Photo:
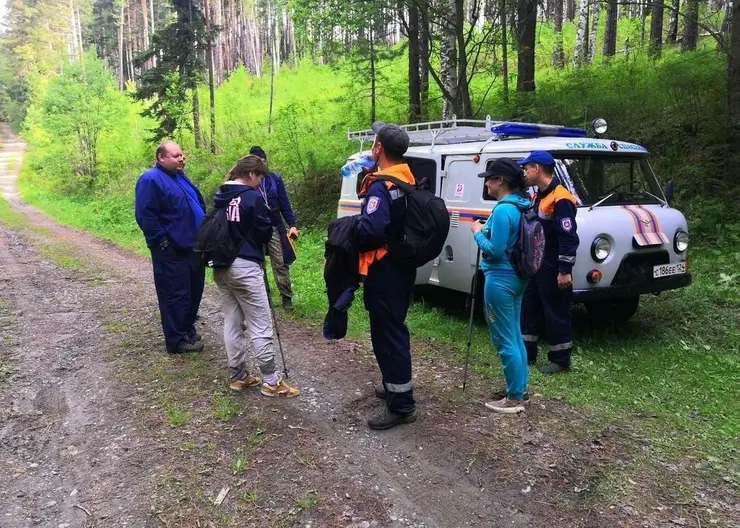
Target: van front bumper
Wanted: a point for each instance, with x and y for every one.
(630, 290)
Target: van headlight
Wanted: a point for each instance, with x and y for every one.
(600, 249)
(681, 241)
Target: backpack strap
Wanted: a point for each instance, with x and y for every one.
(405, 187)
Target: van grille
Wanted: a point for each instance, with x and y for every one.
(636, 269)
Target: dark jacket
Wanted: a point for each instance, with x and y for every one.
(556, 209)
(163, 209)
(277, 200)
(247, 215)
(341, 273)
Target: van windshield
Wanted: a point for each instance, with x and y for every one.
(628, 179)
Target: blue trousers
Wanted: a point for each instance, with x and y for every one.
(503, 302)
(179, 281)
(387, 295)
(546, 312)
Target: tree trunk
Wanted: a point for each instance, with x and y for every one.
(594, 29)
(610, 33)
(121, 74)
(504, 52)
(196, 120)
(581, 52)
(424, 62)
(673, 23)
(527, 28)
(691, 26)
(656, 30)
(211, 87)
(373, 94)
(463, 89)
(414, 64)
(449, 63)
(726, 21)
(733, 98)
(558, 60)
(570, 10)
(220, 40)
(644, 8)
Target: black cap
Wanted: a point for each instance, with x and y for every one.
(257, 151)
(504, 167)
(394, 139)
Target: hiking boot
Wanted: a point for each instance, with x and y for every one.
(387, 419)
(281, 389)
(499, 395)
(506, 406)
(195, 336)
(248, 381)
(380, 392)
(553, 368)
(287, 304)
(186, 345)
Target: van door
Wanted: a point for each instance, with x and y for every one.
(462, 191)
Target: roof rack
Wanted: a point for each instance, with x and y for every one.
(455, 131)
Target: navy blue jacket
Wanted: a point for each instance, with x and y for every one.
(556, 210)
(163, 210)
(247, 214)
(381, 218)
(277, 200)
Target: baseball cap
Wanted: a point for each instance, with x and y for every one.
(393, 138)
(541, 157)
(502, 167)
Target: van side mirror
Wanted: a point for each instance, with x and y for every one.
(668, 191)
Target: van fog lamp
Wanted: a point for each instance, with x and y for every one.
(600, 249)
(593, 276)
(681, 241)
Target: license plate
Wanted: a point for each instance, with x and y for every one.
(666, 270)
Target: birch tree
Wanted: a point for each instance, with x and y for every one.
(581, 52)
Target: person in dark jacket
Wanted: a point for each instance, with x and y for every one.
(169, 209)
(547, 299)
(279, 247)
(242, 285)
(387, 284)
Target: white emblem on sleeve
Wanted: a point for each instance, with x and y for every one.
(372, 204)
(566, 224)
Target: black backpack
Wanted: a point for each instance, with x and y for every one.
(215, 246)
(425, 225)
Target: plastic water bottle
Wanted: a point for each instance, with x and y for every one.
(355, 167)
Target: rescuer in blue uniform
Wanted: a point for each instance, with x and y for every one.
(169, 209)
(547, 298)
(387, 284)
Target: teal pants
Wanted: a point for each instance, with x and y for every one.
(503, 297)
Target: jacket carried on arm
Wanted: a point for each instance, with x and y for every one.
(168, 207)
(247, 215)
(341, 274)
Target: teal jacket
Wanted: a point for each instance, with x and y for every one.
(500, 233)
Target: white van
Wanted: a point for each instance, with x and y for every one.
(632, 242)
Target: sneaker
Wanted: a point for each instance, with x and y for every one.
(281, 389)
(186, 345)
(287, 304)
(506, 406)
(249, 381)
(554, 368)
(499, 395)
(387, 419)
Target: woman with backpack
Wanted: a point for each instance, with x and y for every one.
(503, 291)
(242, 284)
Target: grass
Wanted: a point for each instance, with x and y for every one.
(225, 408)
(10, 218)
(177, 416)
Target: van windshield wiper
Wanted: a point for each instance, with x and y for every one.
(605, 198)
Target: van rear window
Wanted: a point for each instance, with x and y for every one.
(421, 168)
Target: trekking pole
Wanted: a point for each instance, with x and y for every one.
(274, 322)
(473, 292)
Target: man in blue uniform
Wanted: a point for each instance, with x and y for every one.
(387, 284)
(278, 248)
(547, 298)
(169, 208)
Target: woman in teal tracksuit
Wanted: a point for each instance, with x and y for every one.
(505, 182)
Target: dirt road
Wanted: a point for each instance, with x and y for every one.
(99, 427)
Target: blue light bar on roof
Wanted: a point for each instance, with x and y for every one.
(527, 130)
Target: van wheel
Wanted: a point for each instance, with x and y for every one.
(618, 310)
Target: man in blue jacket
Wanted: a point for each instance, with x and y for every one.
(169, 208)
(279, 248)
